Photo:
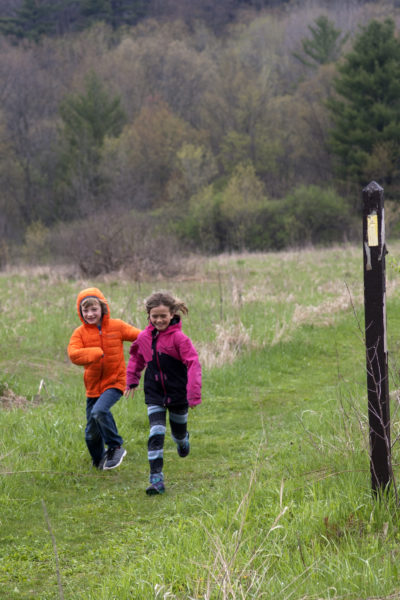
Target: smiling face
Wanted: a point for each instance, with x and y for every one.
(92, 313)
(160, 317)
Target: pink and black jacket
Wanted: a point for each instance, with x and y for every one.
(173, 370)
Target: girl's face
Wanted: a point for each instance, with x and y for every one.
(160, 317)
(92, 314)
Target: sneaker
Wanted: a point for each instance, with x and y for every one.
(114, 457)
(185, 449)
(156, 488)
(100, 465)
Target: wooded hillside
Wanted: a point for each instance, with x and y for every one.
(34, 18)
(248, 125)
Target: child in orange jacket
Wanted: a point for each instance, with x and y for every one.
(97, 345)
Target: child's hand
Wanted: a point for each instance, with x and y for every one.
(129, 393)
(193, 403)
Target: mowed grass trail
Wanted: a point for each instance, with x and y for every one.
(274, 500)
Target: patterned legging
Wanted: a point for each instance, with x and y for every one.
(157, 420)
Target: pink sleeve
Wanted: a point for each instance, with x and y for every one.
(190, 358)
(135, 366)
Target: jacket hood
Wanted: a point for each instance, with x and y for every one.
(91, 292)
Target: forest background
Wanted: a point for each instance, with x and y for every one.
(135, 131)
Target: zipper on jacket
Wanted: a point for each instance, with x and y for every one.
(159, 367)
(101, 346)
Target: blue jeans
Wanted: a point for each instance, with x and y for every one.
(100, 425)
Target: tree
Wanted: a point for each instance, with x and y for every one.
(114, 12)
(325, 44)
(36, 18)
(366, 110)
(161, 61)
(195, 167)
(215, 15)
(143, 159)
(88, 118)
(302, 120)
(32, 20)
(27, 133)
(91, 115)
(241, 202)
(236, 115)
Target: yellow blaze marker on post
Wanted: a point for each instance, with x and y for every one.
(372, 229)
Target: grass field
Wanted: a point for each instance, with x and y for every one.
(274, 500)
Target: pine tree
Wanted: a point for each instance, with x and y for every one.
(127, 12)
(92, 115)
(114, 12)
(34, 19)
(366, 111)
(95, 10)
(324, 45)
(88, 118)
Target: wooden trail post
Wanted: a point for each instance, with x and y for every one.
(375, 335)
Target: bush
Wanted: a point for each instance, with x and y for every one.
(313, 215)
(107, 243)
(36, 248)
(309, 215)
(267, 231)
(202, 228)
(221, 220)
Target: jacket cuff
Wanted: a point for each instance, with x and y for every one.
(194, 401)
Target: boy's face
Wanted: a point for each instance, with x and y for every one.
(160, 317)
(92, 313)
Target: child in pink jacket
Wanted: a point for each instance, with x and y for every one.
(172, 379)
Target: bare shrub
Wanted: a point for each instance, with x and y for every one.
(10, 400)
(228, 344)
(111, 242)
(4, 254)
(324, 313)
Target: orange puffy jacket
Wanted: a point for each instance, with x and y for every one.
(101, 351)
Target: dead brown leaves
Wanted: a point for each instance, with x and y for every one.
(9, 400)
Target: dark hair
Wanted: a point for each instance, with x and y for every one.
(166, 299)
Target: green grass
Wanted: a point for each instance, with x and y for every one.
(274, 500)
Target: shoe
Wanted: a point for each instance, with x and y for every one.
(100, 465)
(184, 450)
(156, 488)
(114, 457)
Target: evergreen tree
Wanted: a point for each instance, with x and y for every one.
(95, 9)
(34, 19)
(366, 112)
(324, 46)
(114, 12)
(127, 12)
(91, 115)
(88, 119)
